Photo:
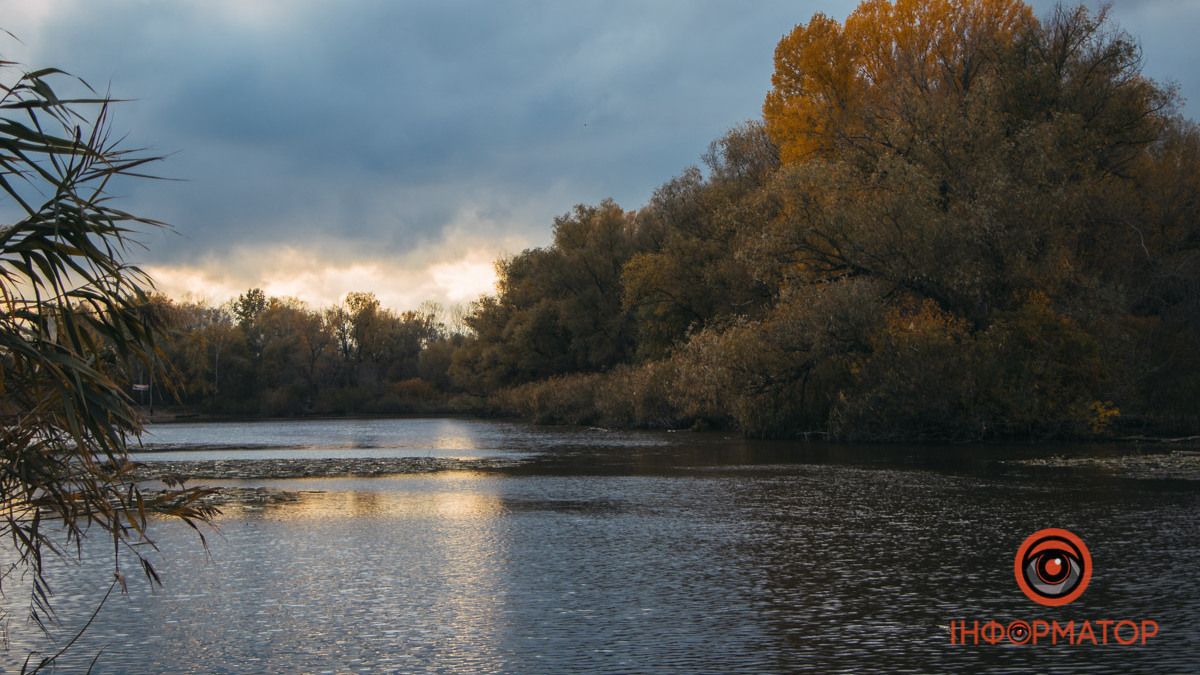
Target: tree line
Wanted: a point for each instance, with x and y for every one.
(954, 221)
(268, 356)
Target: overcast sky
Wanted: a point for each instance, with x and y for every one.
(400, 147)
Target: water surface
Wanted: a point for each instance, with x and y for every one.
(367, 438)
(647, 553)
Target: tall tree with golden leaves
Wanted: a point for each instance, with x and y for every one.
(837, 83)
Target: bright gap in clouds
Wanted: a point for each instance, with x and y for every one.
(320, 282)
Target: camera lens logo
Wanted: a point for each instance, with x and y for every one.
(1053, 567)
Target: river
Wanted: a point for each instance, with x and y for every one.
(620, 552)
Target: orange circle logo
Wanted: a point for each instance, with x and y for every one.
(1053, 567)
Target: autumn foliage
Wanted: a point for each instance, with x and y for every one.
(843, 84)
(955, 221)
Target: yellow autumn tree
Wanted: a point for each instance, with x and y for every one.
(837, 83)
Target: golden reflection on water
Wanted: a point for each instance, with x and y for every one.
(447, 495)
(455, 540)
(449, 505)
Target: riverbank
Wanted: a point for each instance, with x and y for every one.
(190, 416)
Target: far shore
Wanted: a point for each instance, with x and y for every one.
(170, 416)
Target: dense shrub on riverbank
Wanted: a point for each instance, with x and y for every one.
(628, 397)
(936, 233)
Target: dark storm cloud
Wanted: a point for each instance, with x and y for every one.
(378, 122)
(370, 128)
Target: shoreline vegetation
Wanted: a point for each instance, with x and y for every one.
(955, 222)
